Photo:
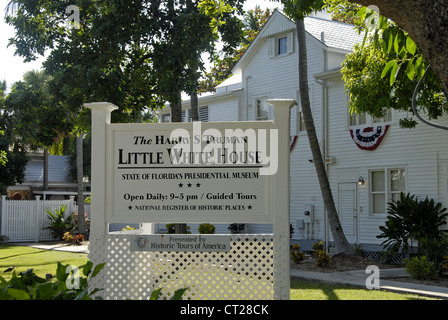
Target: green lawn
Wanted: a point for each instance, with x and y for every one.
(42, 261)
(310, 290)
(45, 261)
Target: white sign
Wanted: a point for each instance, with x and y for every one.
(192, 172)
(181, 243)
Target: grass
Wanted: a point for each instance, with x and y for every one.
(42, 261)
(45, 261)
(308, 290)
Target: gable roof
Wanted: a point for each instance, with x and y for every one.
(332, 34)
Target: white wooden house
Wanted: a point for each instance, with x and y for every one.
(363, 179)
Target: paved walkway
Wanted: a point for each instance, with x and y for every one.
(354, 278)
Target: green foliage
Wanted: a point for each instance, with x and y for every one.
(28, 286)
(221, 70)
(296, 255)
(39, 119)
(318, 245)
(299, 9)
(206, 228)
(215, 9)
(155, 295)
(382, 73)
(435, 249)
(171, 228)
(136, 55)
(13, 156)
(59, 224)
(421, 268)
(323, 259)
(409, 221)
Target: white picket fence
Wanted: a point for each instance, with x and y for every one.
(26, 220)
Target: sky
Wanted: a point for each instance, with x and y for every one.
(12, 67)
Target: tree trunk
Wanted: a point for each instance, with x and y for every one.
(427, 24)
(82, 227)
(176, 116)
(341, 243)
(194, 107)
(45, 182)
(176, 109)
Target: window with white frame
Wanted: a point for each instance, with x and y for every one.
(281, 45)
(360, 119)
(386, 186)
(262, 109)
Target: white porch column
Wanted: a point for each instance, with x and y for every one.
(281, 195)
(101, 114)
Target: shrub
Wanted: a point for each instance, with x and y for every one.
(444, 265)
(206, 228)
(421, 268)
(434, 249)
(171, 228)
(318, 246)
(78, 239)
(323, 259)
(28, 286)
(410, 222)
(297, 256)
(68, 237)
(58, 223)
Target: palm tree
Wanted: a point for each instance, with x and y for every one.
(298, 9)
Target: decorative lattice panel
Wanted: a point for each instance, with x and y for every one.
(245, 272)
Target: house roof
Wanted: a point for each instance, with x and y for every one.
(336, 34)
(332, 34)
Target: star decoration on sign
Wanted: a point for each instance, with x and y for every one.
(189, 185)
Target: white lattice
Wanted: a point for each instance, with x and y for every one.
(245, 272)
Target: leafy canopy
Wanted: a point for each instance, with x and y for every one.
(382, 73)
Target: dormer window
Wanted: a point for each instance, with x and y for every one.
(281, 45)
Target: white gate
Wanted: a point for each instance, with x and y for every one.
(27, 220)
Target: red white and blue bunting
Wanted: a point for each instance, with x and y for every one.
(370, 137)
(292, 142)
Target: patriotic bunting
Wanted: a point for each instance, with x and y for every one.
(369, 138)
(292, 142)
